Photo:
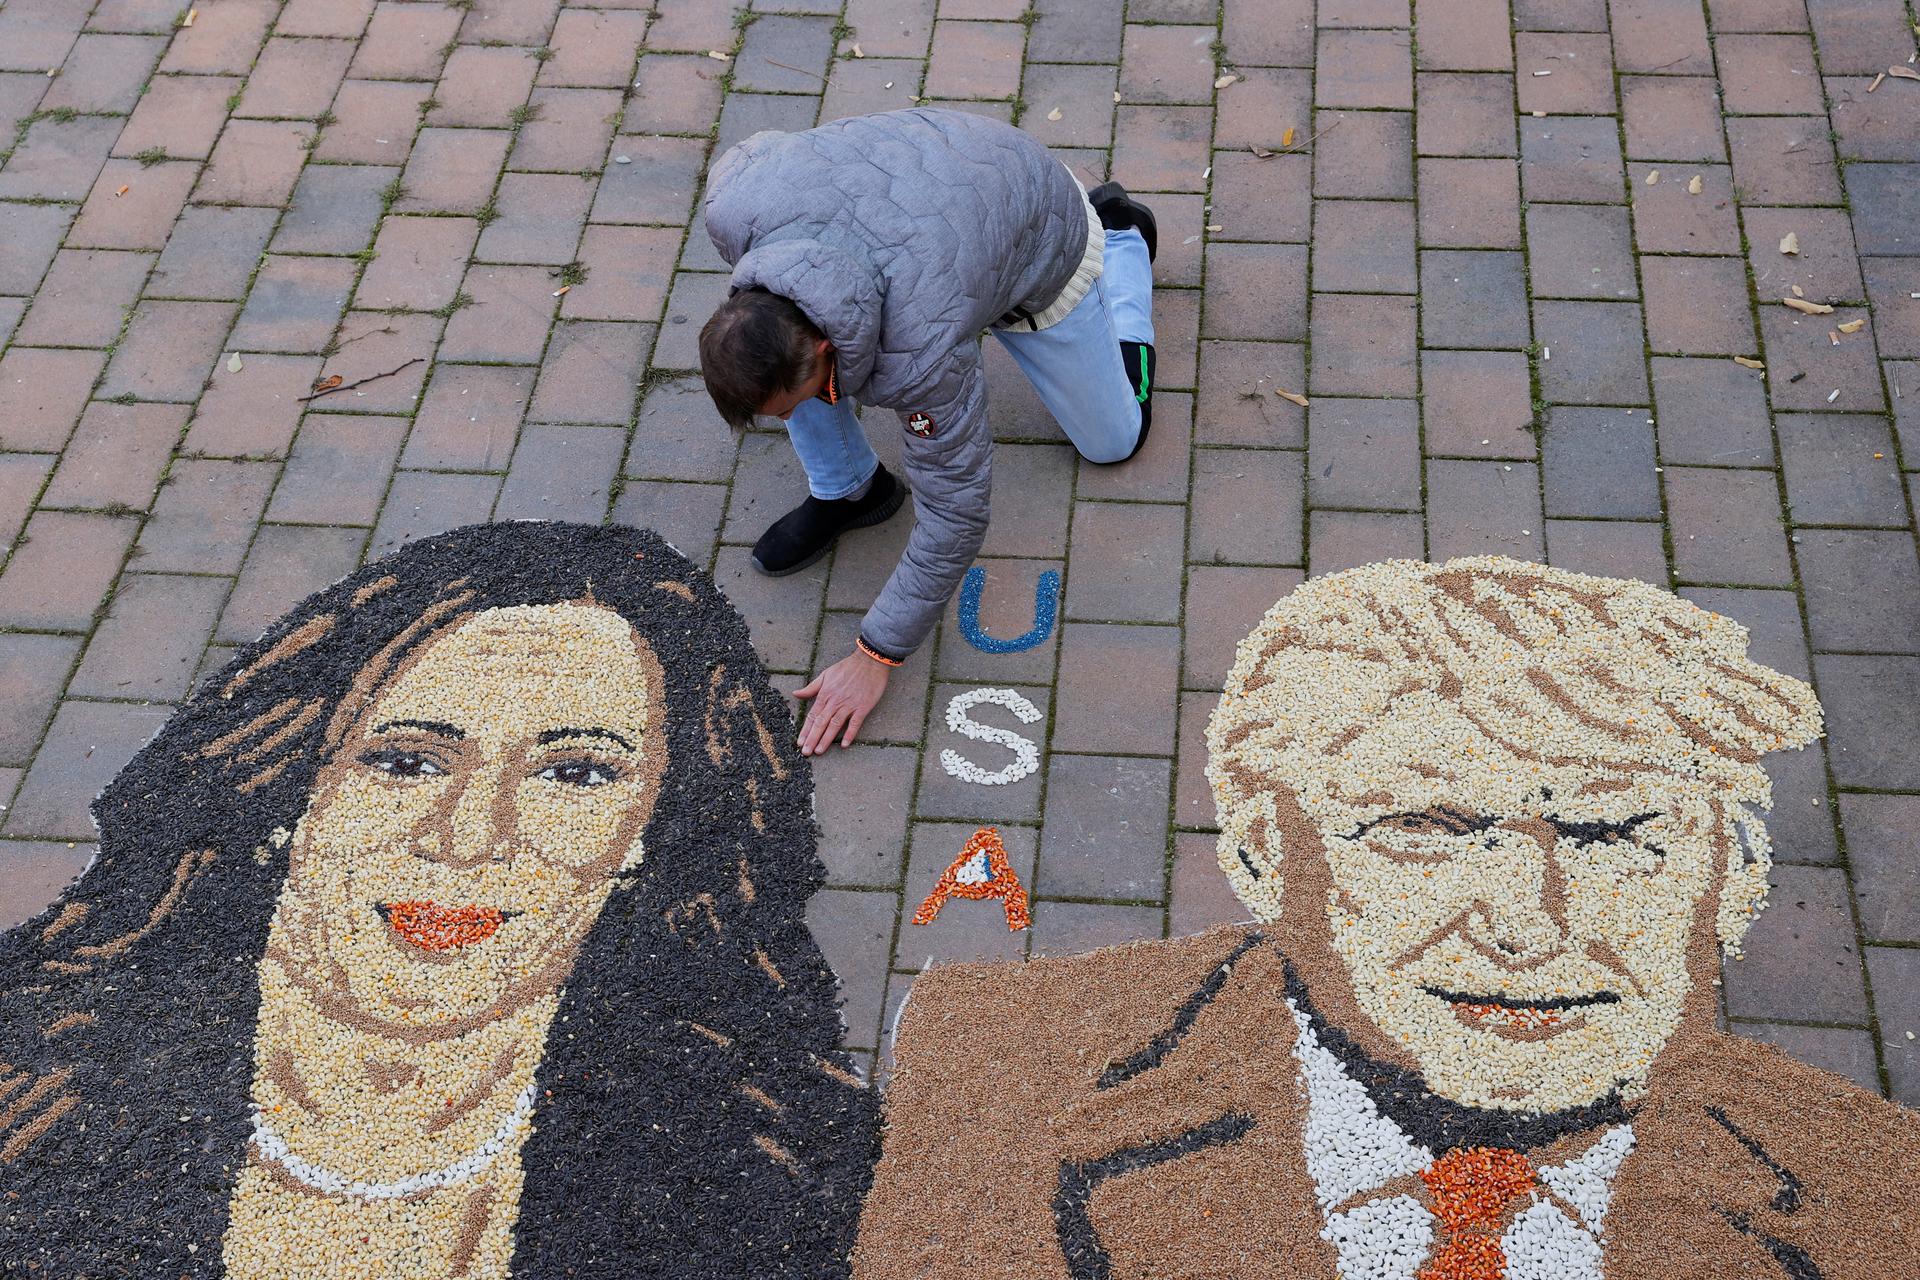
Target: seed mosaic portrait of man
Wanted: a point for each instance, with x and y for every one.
(1496, 824)
(453, 930)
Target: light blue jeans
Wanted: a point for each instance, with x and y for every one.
(1074, 365)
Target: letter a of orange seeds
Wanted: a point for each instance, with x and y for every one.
(981, 871)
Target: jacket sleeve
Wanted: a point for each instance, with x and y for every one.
(951, 474)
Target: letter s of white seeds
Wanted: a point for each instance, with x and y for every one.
(1026, 754)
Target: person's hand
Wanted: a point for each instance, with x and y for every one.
(845, 693)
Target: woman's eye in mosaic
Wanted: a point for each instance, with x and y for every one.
(402, 764)
(581, 773)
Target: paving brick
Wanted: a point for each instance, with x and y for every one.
(150, 643)
(1712, 412)
(11, 309)
(295, 79)
(1117, 689)
(84, 298)
(286, 564)
(1246, 507)
(1483, 508)
(346, 18)
(1363, 345)
(1862, 589)
(1224, 604)
(1805, 367)
(1771, 75)
(1361, 246)
(42, 394)
(116, 456)
(58, 576)
(855, 933)
(1787, 161)
(1159, 471)
(33, 671)
(1859, 36)
(694, 25)
(36, 871)
(679, 436)
(58, 159)
(404, 41)
(1870, 715)
(1668, 218)
(1874, 126)
(133, 206)
(1564, 73)
(1886, 876)
(965, 931)
(1363, 453)
(376, 347)
(1697, 306)
(1472, 299)
(1478, 403)
(561, 473)
(1268, 32)
(423, 503)
(627, 273)
(1070, 928)
(469, 418)
(1591, 352)
(452, 170)
(1125, 562)
(1757, 15)
(781, 613)
(901, 29)
(295, 304)
(1105, 830)
(1167, 64)
(1463, 35)
(862, 562)
(224, 40)
(1256, 291)
(87, 744)
(1083, 97)
(1609, 548)
(1365, 13)
(30, 235)
(1801, 961)
(1825, 268)
(168, 350)
(590, 372)
(104, 73)
(975, 60)
(181, 115)
(1253, 199)
(1885, 201)
(338, 470)
(1364, 154)
(1193, 796)
(693, 298)
(1575, 158)
(1182, 222)
(1801, 823)
(1201, 898)
(334, 210)
(1843, 1051)
(746, 114)
(21, 478)
(1726, 527)
(1469, 204)
(418, 262)
(901, 716)
(687, 515)
(1904, 379)
(1671, 118)
(1007, 610)
(205, 515)
(569, 132)
(540, 219)
(1661, 35)
(252, 413)
(481, 87)
(35, 37)
(656, 187)
(1772, 619)
(859, 86)
(1600, 462)
(680, 93)
(1176, 331)
(1162, 148)
(1840, 470)
(256, 162)
(1465, 114)
(1894, 286)
(1581, 251)
(508, 318)
(374, 124)
(776, 44)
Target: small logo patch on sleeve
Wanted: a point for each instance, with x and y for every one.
(921, 424)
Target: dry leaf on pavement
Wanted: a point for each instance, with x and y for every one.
(1054, 114)
(328, 384)
(1808, 308)
(1790, 243)
(1853, 326)
(1292, 397)
(1748, 362)
(1695, 186)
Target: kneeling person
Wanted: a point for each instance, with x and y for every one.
(868, 255)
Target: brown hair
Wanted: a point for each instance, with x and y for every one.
(755, 346)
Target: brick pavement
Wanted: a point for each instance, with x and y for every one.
(1515, 251)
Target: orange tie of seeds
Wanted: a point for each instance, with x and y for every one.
(436, 928)
(984, 863)
(1472, 1190)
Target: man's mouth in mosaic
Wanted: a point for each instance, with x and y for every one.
(1517, 1017)
(438, 927)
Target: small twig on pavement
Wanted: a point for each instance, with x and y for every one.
(787, 66)
(364, 381)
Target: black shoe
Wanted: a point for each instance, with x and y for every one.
(1138, 359)
(807, 532)
(1119, 211)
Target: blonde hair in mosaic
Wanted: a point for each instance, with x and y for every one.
(1561, 669)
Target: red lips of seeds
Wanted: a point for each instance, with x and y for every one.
(435, 928)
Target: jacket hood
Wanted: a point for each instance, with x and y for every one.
(839, 292)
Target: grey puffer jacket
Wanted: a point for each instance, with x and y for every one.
(903, 235)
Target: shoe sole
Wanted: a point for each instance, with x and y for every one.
(879, 515)
(1150, 232)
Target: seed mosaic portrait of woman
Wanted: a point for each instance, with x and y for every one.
(453, 930)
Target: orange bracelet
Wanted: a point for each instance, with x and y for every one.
(860, 643)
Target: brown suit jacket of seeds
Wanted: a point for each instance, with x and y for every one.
(995, 1116)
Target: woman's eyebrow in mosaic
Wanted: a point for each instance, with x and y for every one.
(555, 735)
(431, 726)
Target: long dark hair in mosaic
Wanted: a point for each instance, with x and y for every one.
(128, 1008)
